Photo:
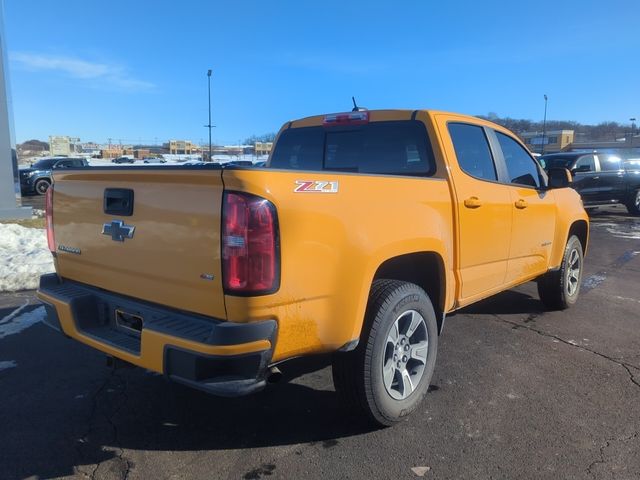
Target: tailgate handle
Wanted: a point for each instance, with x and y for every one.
(118, 201)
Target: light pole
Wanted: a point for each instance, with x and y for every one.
(633, 129)
(544, 123)
(209, 126)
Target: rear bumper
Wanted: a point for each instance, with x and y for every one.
(222, 358)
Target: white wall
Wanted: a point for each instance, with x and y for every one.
(9, 186)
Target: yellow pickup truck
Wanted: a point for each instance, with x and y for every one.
(362, 232)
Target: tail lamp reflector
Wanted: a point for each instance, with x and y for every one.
(250, 250)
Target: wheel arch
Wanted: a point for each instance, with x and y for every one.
(580, 229)
(43, 177)
(425, 269)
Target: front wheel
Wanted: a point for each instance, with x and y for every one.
(42, 186)
(559, 289)
(633, 205)
(388, 375)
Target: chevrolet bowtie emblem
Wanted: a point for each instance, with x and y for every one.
(118, 230)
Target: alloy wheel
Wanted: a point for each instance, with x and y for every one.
(405, 357)
(573, 272)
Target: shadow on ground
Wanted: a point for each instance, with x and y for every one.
(506, 303)
(51, 429)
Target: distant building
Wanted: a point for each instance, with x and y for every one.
(90, 149)
(262, 148)
(115, 151)
(230, 149)
(140, 153)
(630, 145)
(182, 147)
(61, 145)
(554, 140)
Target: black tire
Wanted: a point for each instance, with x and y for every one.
(41, 186)
(358, 375)
(559, 289)
(633, 205)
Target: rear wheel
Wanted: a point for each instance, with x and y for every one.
(633, 205)
(387, 376)
(559, 289)
(42, 186)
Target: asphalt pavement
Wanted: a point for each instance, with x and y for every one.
(35, 201)
(518, 393)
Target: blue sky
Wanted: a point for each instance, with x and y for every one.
(136, 70)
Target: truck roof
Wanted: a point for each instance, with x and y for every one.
(387, 115)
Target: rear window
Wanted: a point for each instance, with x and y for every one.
(387, 148)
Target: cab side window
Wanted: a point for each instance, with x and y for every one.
(609, 163)
(586, 164)
(472, 151)
(522, 169)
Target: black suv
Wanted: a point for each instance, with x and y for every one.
(600, 178)
(37, 178)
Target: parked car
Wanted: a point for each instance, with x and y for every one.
(239, 163)
(370, 228)
(123, 160)
(601, 178)
(37, 178)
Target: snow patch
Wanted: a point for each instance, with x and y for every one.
(8, 364)
(24, 256)
(420, 471)
(623, 230)
(593, 281)
(17, 324)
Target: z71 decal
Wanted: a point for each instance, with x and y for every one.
(303, 186)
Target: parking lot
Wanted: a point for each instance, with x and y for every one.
(517, 393)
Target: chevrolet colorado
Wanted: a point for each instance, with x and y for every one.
(361, 233)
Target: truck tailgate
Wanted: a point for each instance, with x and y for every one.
(173, 255)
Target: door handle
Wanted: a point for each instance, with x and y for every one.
(118, 201)
(521, 204)
(472, 202)
(596, 178)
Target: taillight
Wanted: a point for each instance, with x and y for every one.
(250, 249)
(48, 215)
(350, 118)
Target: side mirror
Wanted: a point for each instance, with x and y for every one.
(559, 178)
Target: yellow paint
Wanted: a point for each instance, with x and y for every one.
(331, 243)
(152, 344)
(176, 239)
